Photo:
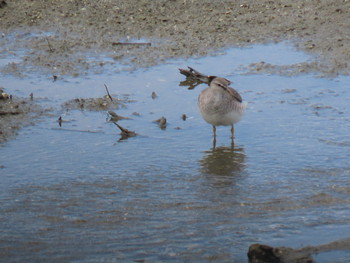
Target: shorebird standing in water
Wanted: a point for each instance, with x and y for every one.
(220, 105)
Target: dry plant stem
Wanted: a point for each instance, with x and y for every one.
(109, 95)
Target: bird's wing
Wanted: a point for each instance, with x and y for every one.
(234, 93)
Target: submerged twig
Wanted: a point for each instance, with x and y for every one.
(109, 95)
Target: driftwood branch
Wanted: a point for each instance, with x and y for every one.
(125, 133)
(109, 95)
(193, 78)
(194, 75)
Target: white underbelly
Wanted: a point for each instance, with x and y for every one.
(222, 120)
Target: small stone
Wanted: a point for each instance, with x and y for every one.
(154, 95)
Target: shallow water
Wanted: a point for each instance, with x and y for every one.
(68, 195)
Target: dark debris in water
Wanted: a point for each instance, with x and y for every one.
(94, 104)
(125, 133)
(161, 122)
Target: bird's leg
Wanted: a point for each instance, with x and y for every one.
(214, 131)
(232, 133)
(214, 137)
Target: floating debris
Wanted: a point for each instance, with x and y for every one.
(154, 95)
(60, 121)
(125, 133)
(161, 123)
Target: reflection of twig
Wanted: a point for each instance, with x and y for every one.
(131, 43)
(109, 95)
(190, 83)
(50, 47)
(115, 117)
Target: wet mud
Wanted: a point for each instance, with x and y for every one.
(17, 112)
(71, 37)
(94, 104)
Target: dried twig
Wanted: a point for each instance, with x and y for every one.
(194, 75)
(125, 133)
(193, 78)
(109, 95)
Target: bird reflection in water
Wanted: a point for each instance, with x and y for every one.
(223, 161)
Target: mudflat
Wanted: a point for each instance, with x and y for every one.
(63, 35)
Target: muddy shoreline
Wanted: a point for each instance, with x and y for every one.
(67, 37)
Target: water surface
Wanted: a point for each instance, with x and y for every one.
(77, 194)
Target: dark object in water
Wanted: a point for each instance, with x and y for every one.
(125, 133)
(161, 123)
